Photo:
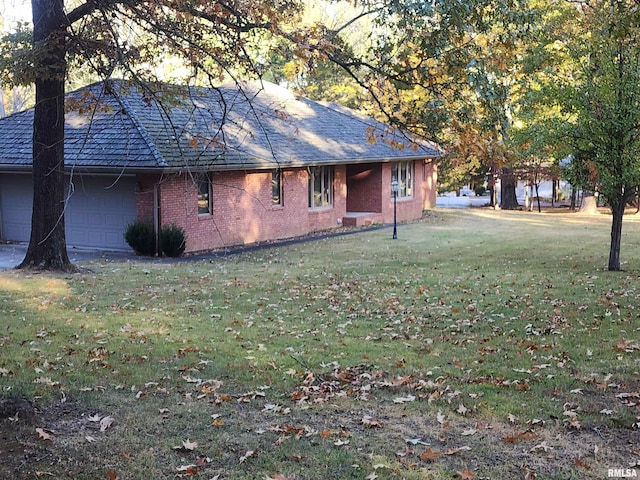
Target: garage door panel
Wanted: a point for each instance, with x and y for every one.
(112, 220)
(104, 207)
(97, 214)
(16, 200)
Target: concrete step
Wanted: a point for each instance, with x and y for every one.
(361, 219)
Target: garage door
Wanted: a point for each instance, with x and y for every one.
(98, 212)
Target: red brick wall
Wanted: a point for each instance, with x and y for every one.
(144, 196)
(242, 209)
(243, 212)
(424, 193)
(363, 183)
(428, 183)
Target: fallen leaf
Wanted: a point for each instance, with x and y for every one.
(106, 422)
(43, 434)
(416, 441)
(466, 474)
(189, 445)
(541, 447)
(370, 422)
(582, 463)
(188, 470)
(112, 475)
(408, 398)
(441, 418)
(250, 453)
(454, 451)
(90, 439)
(430, 455)
(468, 432)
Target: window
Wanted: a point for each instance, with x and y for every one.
(320, 187)
(203, 183)
(276, 188)
(403, 172)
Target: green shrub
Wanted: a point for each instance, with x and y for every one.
(141, 237)
(480, 190)
(172, 240)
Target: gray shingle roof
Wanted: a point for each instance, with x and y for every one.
(248, 126)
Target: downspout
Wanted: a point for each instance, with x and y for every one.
(2, 223)
(156, 216)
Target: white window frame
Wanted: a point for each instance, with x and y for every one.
(321, 187)
(403, 172)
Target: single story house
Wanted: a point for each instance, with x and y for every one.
(232, 165)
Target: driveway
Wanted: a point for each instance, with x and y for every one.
(11, 254)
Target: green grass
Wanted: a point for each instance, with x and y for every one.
(497, 338)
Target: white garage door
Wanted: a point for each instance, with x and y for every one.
(98, 212)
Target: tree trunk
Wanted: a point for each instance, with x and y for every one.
(508, 199)
(47, 245)
(616, 236)
(589, 203)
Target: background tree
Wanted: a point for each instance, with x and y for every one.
(450, 71)
(349, 28)
(604, 106)
(15, 98)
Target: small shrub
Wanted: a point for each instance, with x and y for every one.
(172, 240)
(480, 190)
(141, 237)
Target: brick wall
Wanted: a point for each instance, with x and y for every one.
(363, 183)
(144, 196)
(243, 213)
(424, 192)
(242, 210)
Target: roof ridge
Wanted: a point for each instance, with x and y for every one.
(110, 87)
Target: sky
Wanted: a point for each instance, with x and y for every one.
(13, 11)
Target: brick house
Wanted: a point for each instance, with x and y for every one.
(232, 165)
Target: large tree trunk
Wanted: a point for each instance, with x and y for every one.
(589, 203)
(616, 235)
(47, 245)
(508, 198)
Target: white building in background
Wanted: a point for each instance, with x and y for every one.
(526, 195)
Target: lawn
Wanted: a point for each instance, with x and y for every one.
(480, 344)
